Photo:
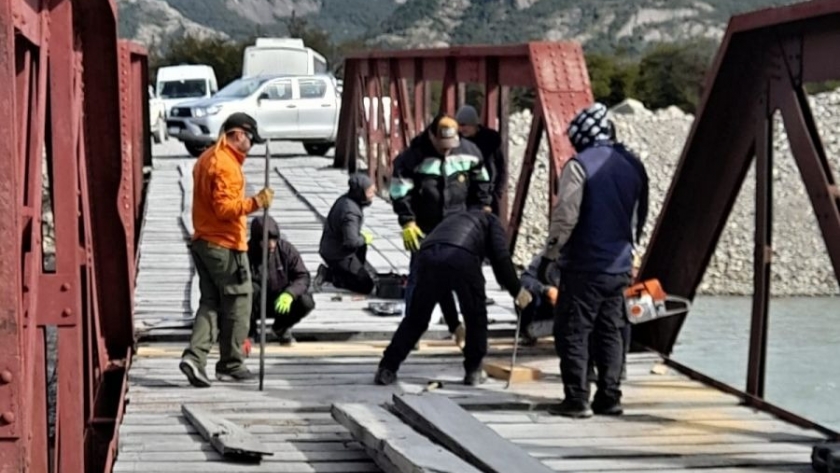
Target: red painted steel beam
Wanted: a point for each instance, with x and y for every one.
(774, 50)
(106, 169)
(13, 448)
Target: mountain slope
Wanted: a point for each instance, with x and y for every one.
(600, 25)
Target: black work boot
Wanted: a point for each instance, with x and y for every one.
(573, 409)
(384, 377)
(321, 276)
(285, 337)
(475, 377)
(607, 407)
(195, 374)
(242, 375)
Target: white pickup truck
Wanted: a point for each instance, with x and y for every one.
(287, 108)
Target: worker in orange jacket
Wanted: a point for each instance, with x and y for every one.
(219, 245)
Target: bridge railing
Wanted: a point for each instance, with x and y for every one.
(76, 124)
(396, 86)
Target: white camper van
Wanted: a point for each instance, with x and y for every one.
(287, 56)
(176, 84)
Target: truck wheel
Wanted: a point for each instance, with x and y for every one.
(317, 149)
(160, 131)
(195, 149)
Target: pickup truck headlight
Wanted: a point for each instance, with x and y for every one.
(206, 111)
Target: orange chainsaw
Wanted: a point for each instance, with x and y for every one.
(645, 301)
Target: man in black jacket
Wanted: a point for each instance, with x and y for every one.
(450, 260)
(343, 243)
(438, 174)
(489, 141)
(288, 298)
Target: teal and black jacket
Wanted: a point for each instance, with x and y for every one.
(425, 186)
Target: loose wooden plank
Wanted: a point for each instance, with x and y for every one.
(395, 446)
(452, 426)
(518, 375)
(226, 437)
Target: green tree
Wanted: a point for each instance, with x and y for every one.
(673, 74)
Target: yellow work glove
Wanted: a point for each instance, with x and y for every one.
(264, 198)
(411, 236)
(368, 236)
(524, 298)
(283, 303)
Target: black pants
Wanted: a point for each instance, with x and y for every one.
(351, 273)
(591, 304)
(301, 307)
(442, 269)
(446, 301)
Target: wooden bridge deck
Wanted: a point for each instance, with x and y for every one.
(167, 290)
(671, 423)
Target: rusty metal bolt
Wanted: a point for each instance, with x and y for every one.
(8, 417)
(65, 287)
(6, 376)
(66, 312)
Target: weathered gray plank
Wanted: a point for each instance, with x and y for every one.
(226, 437)
(395, 446)
(449, 424)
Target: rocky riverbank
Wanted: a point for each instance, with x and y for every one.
(800, 262)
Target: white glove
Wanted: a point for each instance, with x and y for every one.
(524, 298)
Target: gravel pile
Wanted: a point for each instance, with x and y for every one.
(800, 262)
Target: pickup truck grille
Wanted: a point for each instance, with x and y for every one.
(181, 112)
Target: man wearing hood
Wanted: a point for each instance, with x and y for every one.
(344, 243)
(288, 297)
(602, 203)
(437, 175)
(489, 141)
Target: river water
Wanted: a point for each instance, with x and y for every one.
(803, 353)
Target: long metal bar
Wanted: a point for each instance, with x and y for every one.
(264, 270)
(757, 358)
(524, 183)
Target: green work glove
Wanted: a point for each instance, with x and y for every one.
(368, 236)
(284, 303)
(411, 236)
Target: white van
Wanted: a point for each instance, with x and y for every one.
(176, 84)
(275, 56)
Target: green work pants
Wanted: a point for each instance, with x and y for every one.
(224, 279)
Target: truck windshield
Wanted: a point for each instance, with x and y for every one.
(241, 88)
(181, 89)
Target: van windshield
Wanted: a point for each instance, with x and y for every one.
(241, 88)
(181, 89)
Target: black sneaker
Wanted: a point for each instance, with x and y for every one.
(196, 376)
(286, 338)
(243, 375)
(474, 378)
(321, 276)
(573, 409)
(607, 407)
(384, 377)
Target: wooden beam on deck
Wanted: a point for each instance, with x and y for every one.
(446, 422)
(229, 439)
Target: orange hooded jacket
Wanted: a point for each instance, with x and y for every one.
(219, 207)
